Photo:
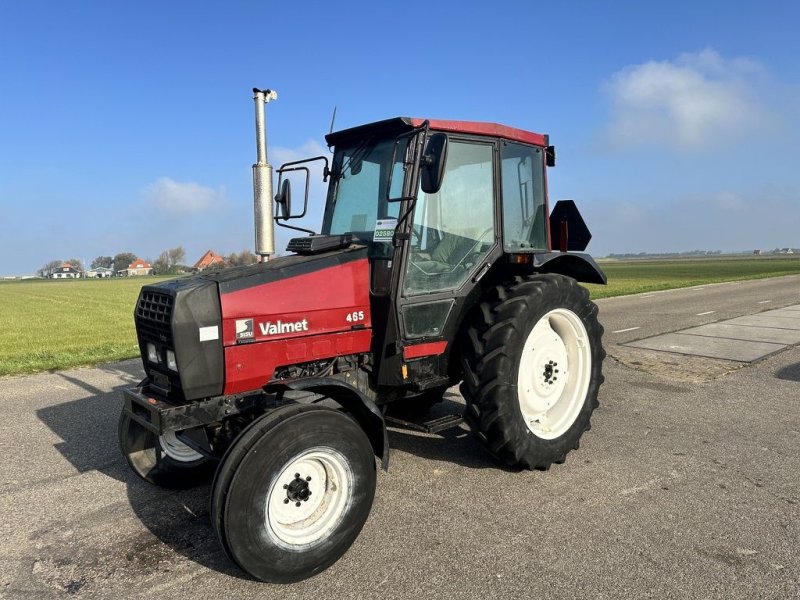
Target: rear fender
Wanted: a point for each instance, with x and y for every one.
(577, 265)
(362, 408)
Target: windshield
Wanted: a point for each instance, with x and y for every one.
(357, 200)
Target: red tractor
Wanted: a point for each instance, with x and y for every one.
(438, 262)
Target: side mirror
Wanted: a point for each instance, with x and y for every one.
(284, 200)
(433, 162)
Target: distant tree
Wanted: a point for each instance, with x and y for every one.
(176, 255)
(47, 268)
(161, 264)
(77, 263)
(169, 262)
(102, 261)
(123, 259)
(245, 257)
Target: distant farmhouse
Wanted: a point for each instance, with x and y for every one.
(65, 271)
(137, 267)
(101, 272)
(209, 259)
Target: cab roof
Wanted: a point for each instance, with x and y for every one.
(467, 127)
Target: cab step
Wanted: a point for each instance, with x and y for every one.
(432, 426)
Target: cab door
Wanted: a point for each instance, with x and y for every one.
(452, 240)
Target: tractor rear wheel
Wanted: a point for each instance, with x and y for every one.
(162, 460)
(532, 369)
(293, 492)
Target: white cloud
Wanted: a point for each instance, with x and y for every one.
(178, 199)
(696, 102)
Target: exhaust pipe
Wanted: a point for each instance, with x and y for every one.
(262, 180)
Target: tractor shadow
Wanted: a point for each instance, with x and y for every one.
(456, 445)
(789, 372)
(178, 519)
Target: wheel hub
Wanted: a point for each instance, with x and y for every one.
(297, 490)
(550, 372)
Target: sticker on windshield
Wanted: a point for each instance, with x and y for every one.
(384, 230)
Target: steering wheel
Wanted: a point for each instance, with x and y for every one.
(474, 246)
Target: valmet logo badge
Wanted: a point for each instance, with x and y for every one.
(280, 327)
(245, 329)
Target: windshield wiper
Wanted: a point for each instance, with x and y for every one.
(357, 153)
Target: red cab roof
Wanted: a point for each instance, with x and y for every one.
(490, 129)
(467, 127)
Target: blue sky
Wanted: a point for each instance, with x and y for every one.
(129, 126)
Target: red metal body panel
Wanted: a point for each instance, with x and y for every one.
(329, 303)
(250, 366)
(491, 129)
(426, 349)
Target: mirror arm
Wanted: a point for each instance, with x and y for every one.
(326, 171)
(308, 231)
(411, 135)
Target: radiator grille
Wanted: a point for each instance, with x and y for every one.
(154, 316)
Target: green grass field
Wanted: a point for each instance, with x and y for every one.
(50, 325)
(635, 276)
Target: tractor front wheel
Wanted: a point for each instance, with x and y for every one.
(533, 367)
(293, 492)
(162, 460)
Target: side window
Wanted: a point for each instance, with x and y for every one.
(454, 228)
(522, 176)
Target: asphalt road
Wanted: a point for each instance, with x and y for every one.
(686, 486)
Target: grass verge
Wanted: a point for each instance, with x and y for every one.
(54, 325)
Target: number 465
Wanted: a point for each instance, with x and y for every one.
(355, 316)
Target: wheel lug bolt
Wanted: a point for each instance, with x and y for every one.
(286, 501)
(297, 504)
(286, 487)
(297, 475)
(308, 478)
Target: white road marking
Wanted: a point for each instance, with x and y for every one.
(764, 301)
(697, 289)
(708, 312)
(648, 296)
(624, 330)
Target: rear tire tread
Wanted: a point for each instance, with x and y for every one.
(490, 369)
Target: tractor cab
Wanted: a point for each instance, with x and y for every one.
(440, 205)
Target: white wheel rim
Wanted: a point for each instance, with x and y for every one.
(176, 449)
(554, 373)
(309, 497)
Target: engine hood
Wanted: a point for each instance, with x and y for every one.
(294, 296)
(233, 327)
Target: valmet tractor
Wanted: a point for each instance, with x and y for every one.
(438, 262)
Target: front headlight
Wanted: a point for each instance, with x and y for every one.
(171, 362)
(152, 354)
